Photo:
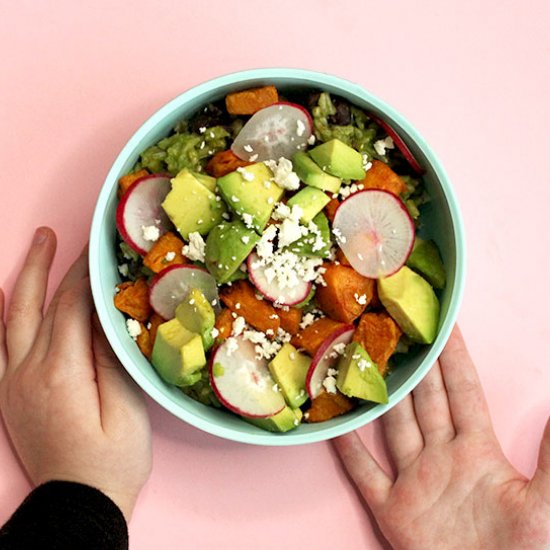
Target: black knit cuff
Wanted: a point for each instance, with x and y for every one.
(62, 515)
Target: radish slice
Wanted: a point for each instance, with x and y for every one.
(401, 145)
(172, 285)
(271, 288)
(327, 356)
(375, 232)
(139, 208)
(279, 130)
(242, 382)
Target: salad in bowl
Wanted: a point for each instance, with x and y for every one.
(271, 256)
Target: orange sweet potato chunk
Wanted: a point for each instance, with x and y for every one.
(378, 333)
(341, 257)
(132, 298)
(126, 181)
(346, 294)
(223, 163)
(224, 324)
(290, 320)
(241, 298)
(168, 243)
(146, 338)
(381, 176)
(330, 209)
(311, 337)
(328, 405)
(247, 102)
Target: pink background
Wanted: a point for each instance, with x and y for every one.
(78, 78)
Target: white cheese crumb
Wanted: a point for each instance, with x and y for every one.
(150, 232)
(248, 220)
(283, 175)
(381, 145)
(232, 345)
(248, 148)
(133, 327)
(247, 176)
(245, 239)
(300, 128)
(311, 139)
(123, 270)
(195, 249)
(234, 199)
(361, 300)
(170, 256)
(215, 332)
(253, 158)
(238, 326)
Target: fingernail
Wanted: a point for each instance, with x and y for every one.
(40, 235)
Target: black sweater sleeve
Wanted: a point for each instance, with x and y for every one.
(61, 515)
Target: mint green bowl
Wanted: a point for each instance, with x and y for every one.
(441, 221)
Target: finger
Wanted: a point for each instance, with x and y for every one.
(541, 479)
(76, 273)
(371, 480)
(71, 336)
(432, 408)
(467, 404)
(3, 354)
(24, 315)
(403, 435)
(120, 398)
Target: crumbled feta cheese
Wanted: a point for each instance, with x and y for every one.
(364, 364)
(300, 128)
(289, 232)
(215, 332)
(338, 234)
(202, 129)
(232, 345)
(169, 256)
(339, 348)
(248, 220)
(311, 139)
(235, 199)
(238, 326)
(253, 158)
(283, 175)
(247, 176)
(248, 148)
(307, 320)
(133, 327)
(150, 232)
(329, 383)
(245, 239)
(195, 249)
(381, 145)
(123, 270)
(361, 300)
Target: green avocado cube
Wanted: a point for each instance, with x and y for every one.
(208, 181)
(339, 159)
(310, 173)
(227, 247)
(412, 303)
(191, 206)
(425, 260)
(283, 421)
(358, 375)
(311, 201)
(289, 369)
(196, 314)
(251, 193)
(177, 353)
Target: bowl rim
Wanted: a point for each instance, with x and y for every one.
(316, 79)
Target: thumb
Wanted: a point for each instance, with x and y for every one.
(541, 479)
(121, 401)
(3, 353)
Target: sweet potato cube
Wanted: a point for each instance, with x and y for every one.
(328, 405)
(346, 294)
(132, 298)
(241, 298)
(290, 320)
(378, 333)
(381, 176)
(126, 181)
(311, 337)
(341, 257)
(247, 102)
(164, 253)
(224, 324)
(223, 163)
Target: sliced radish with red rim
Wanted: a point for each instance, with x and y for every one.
(326, 357)
(279, 130)
(375, 231)
(242, 382)
(271, 289)
(140, 208)
(400, 144)
(172, 285)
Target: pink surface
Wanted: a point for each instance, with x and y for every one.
(473, 77)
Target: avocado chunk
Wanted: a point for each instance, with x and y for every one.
(358, 375)
(311, 201)
(315, 243)
(425, 260)
(177, 353)
(208, 181)
(226, 248)
(289, 369)
(251, 193)
(412, 303)
(310, 173)
(283, 421)
(191, 206)
(197, 315)
(339, 159)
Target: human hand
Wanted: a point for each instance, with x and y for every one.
(453, 487)
(72, 412)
